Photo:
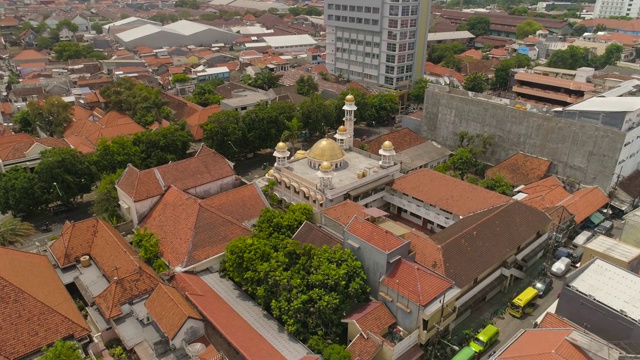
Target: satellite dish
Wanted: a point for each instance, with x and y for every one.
(195, 349)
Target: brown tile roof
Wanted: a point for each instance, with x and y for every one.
(615, 24)
(112, 124)
(15, 146)
(553, 321)
(427, 252)
(312, 234)
(200, 117)
(416, 282)
(373, 317)
(30, 55)
(630, 184)
(402, 140)
(129, 277)
(456, 196)
(206, 167)
(544, 344)
(431, 68)
(364, 348)
(374, 235)
(503, 229)
(344, 211)
(521, 169)
(240, 334)
(196, 232)
(585, 202)
(182, 109)
(169, 309)
(35, 305)
(471, 53)
(544, 193)
(498, 52)
(251, 198)
(32, 65)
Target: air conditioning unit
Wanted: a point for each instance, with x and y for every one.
(147, 319)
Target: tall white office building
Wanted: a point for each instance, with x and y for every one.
(606, 8)
(379, 42)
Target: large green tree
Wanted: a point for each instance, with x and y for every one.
(51, 117)
(476, 82)
(265, 123)
(273, 222)
(264, 80)
(527, 28)
(417, 91)
(571, 58)
(66, 50)
(477, 25)
(503, 70)
(164, 145)
(384, 106)
(67, 24)
(439, 52)
(498, 184)
(148, 245)
(205, 94)
(20, 192)
(226, 133)
(143, 103)
(67, 350)
(64, 174)
(115, 153)
(305, 85)
(14, 231)
(106, 205)
(612, 54)
(317, 114)
(293, 132)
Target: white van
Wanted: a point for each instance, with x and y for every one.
(560, 267)
(582, 238)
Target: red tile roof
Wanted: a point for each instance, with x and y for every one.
(364, 348)
(498, 52)
(129, 277)
(314, 235)
(427, 252)
(472, 53)
(194, 121)
(36, 307)
(196, 232)
(543, 344)
(431, 68)
(344, 211)
(456, 196)
(553, 321)
(627, 25)
(169, 309)
(251, 198)
(86, 125)
(544, 193)
(553, 81)
(374, 235)
(373, 317)
(402, 140)
(235, 329)
(30, 55)
(585, 202)
(624, 39)
(416, 282)
(15, 146)
(520, 169)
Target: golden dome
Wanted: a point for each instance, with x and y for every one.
(300, 154)
(326, 166)
(281, 146)
(342, 129)
(387, 145)
(350, 98)
(325, 150)
(270, 173)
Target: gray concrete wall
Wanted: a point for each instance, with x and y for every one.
(584, 152)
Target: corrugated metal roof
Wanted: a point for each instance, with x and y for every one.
(613, 247)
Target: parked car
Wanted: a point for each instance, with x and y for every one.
(575, 255)
(604, 228)
(582, 238)
(543, 285)
(485, 338)
(560, 267)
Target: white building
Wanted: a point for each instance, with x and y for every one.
(180, 33)
(290, 43)
(130, 22)
(377, 42)
(606, 8)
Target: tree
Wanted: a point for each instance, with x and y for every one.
(205, 94)
(417, 91)
(599, 28)
(67, 350)
(20, 192)
(336, 352)
(305, 85)
(224, 129)
(503, 70)
(478, 25)
(264, 80)
(273, 222)
(384, 106)
(97, 27)
(317, 115)
(452, 62)
(14, 231)
(67, 24)
(273, 10)
(571, 58)
(25, 121)
(113, 154)
(52, 117)
(106, 205)
(13, 79)
(461, 163)
(164, 18)
(476, 82)
(292, 134)
(147, 244)
(519, 11)
(612, 54)
(191, 4)
(311, 11)
(164, 145)
(143, 103)
(579, 30)
(265, 124)
(64, 174)
(41, 28)
(439, 52)
(180, 79)
(526, 28)
(498, 184)
(43, 42)
(66, 50)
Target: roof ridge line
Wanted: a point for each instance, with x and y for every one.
(504, 205)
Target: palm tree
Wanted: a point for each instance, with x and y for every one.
(292, 134)
(13, 230)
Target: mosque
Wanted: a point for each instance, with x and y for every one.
(333, 170)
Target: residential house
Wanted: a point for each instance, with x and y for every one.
(203, 227)
(201, 74)
(83, 22)
(94, 84)
(614, 251)
(37, 310)
(286, 93)
(244, 100)
(205, 174)
(8, 24)
(28, 38)
(442, 75)
(434, 201)
(545, 195)
(520, 169)
(29, 56)
(601, 297)
(585, 203)
(194, 121)
(453, 252)
(315, 235)
(67, 35)
(24, 150)
(236, 325)
(337, 217)
(88, 127)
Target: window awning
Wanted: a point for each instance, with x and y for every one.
(313, 195)
(277, 177)
(295, 185)
(370, 186)
(286, 181)
(305, 191)
(596, 218)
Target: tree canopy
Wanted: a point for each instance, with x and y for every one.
(64, 174)
(226, 133)
(191, 4)
(574, 57)
(14, 231)
(19, 192)
(417, 91)
(307, 289)
(384, 106)
(66, 50)
(67, 24)
(498, 184)
(317, 115)
(305, 85)
(476, 82)
(148, 247)
(52, 117)
(477, 25)
(503, 70)
(526, 28)
(205, 94)
(106, 205)
(264, 80)
(439, 52)
(67, 350)
(143, 103)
